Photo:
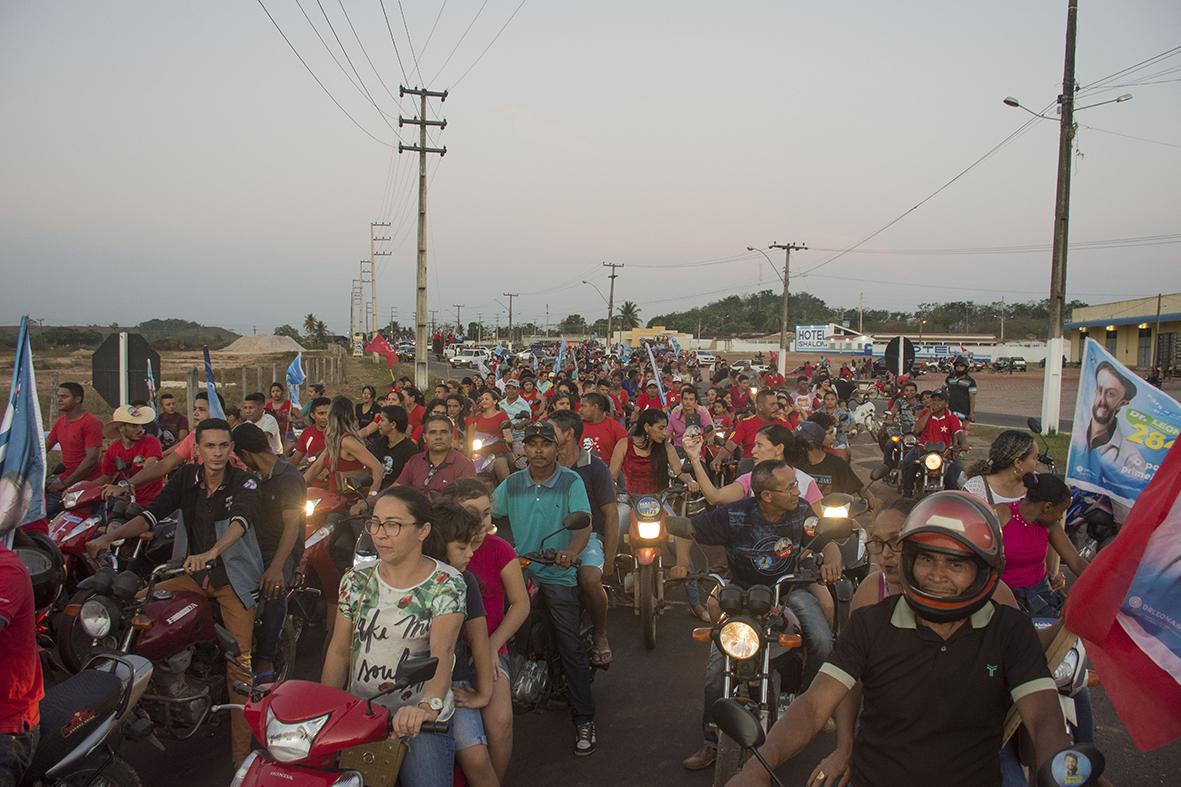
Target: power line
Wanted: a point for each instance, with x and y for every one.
(397, 54)
(1114, 243)
(1129, 136)
(368, 59)
(430, 35)
(406, 27)
(450, 55)
(1134, 67)
(321, 84)
(490, 43)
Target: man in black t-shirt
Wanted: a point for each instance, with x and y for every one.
(938, 666)
(390, 445)
(960, 389)
(832, 473)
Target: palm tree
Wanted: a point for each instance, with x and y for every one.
(629, 316)
(309, 324)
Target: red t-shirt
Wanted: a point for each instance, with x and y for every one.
(21, 689)
(487, 563)
(310, 443)
(941, 429)
(74, 438)
(744, 433)
(773, 380)
(646, 402)
(489, 425)
(146, 447)
(415, 415)
(602, 437)
(740, 396)
(282, 415)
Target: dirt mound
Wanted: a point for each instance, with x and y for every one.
(263, 345)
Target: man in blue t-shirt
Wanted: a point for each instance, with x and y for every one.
(762, 536)
(537, 501)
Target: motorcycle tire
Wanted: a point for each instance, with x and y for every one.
(288, 647)
(117, 773)
(647, 596)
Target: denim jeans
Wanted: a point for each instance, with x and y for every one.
(818, 641)
(1039, 601)
(952, 471)
(564, 608)
(16, 752)
(274, 612)
(430, 761)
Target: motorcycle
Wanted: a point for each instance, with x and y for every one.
(759, 637)
(85, 719)
(327, 551)
(316, 736)
(929, 471)
(534, 660)
(177, 633)
(863, 416)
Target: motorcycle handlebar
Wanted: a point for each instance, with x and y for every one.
(547, 559)
(441, 727)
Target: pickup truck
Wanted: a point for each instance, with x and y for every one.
(469, 357)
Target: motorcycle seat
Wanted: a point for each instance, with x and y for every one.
(70, 711)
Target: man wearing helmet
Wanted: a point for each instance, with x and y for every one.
(938, 665)
(960, 389)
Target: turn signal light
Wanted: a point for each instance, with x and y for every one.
(1093, 678)
(141, 622)
(72, 610)
(703, 633)
(790, 640)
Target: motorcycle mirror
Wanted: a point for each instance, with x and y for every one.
(1081, 764)
(227, 641)
(1035, 425)
(414, 671)
(735, 721)
(577, 521)
(680, 526)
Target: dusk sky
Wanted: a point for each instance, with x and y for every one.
(167, 159)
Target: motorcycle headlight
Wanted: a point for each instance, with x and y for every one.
(291, 742)
(933, 462)
(70, 499)
(1066, 668)
(244, 769)
(96, 620)
(648, 530)
(835, 512)
(477, 444)
(739, 640)
(349, 779)
(309, 507)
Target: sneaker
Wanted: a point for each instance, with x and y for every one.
(702, 759)
(585, 740)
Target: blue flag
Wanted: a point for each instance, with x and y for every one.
(22, 444)
(151, 381)
(215, 408)
(656, 375)
(535, 363)
(675, 345)
(561, 364)
(295, 378)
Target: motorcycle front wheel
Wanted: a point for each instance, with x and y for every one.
(117, 773)
(647, 596)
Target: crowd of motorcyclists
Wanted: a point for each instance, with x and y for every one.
(449, 524)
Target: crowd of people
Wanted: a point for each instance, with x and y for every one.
(528, 449)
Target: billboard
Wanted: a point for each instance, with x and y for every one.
(811, 338)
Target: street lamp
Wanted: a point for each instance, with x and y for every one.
(787, 248)
(609, 308)
(921, 324)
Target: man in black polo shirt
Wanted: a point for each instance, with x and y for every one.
(938, 666)
(280, 531)
(960, 389)
(219, 505)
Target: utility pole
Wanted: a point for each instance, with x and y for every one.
(547, 321)
(860, 312)
(373, 252)
(479, 327)
(1155, 337)
(421, 377)
(1002, 319)
(433, 322)
(365, 315)
(787, 248)
(611, 297)
(1052, 382)
(354, 313)
(510, 296)
(458, 319)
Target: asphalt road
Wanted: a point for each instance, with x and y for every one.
(648, 712)
(1010, 421)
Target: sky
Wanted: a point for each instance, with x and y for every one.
(169, 159)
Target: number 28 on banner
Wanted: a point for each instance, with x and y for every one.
(1152, 433)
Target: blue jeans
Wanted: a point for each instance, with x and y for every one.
(565, 612)
(1039, 601)
(430, 761)
(818, 642)
(274, 612)
(16, 752)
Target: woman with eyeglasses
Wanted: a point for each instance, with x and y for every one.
(405, 606)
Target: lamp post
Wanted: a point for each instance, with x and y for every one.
(608, 304)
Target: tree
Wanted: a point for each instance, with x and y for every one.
(321, 331)
(309, 324)
(573, 323)
(287, 330)
(629, 316)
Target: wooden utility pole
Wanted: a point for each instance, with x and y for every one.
(787, 248)
(421, 307)
(611, 297)
(1052, 382)
(510, 296)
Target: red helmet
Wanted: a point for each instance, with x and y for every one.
(953, 523)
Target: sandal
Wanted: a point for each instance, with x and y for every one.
(601, 657)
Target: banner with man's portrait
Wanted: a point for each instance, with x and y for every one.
(1123, 427)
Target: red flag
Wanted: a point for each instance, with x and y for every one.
(1127, 605)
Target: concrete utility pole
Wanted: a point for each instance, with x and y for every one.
(787, 248)
(1002, 319)
(479, 326)
(1155, 336)
(355, 306)
(611, 297)
(421, 377)
(547, 321)
(458, 319)
(860, 312)
(364, 315)
(373, 252)
(1052, 382)
(510, 296)
(434, 322)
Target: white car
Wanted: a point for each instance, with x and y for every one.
(706, 359)
(469, 357)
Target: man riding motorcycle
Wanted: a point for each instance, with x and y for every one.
(760, 534)
(938, 666)
(936, 425)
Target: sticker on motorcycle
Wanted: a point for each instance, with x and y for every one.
(77, 721)
(648, 508)
(184, 611)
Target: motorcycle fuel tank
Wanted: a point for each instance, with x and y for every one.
(177, 622)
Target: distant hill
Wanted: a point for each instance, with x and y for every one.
(169, 334)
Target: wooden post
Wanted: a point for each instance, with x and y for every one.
(244, 382)
(274, 371)
(258, 376)
(53, 382)
(191, 392)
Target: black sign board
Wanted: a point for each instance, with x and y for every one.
(892, 355)
(104, 366)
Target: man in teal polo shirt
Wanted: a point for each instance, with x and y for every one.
(537, 501)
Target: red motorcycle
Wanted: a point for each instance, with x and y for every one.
(77, 522)
(318, 736)
(327, 548)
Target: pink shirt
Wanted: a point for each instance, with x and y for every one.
(487, 563)
(1025, 550)
(808, 489)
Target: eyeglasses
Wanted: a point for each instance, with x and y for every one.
(794, 486)
(875, 546)
(389, 527)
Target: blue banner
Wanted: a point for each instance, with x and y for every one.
(215, 408)
(560, 365)
(22, 443)
(656, 374)
(295, 378)
(1123, 427)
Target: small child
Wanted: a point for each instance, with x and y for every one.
(453, 529)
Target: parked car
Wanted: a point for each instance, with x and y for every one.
(469, 357)
(706, 359)
(1009, 363)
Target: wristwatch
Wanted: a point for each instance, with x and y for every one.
(433, 703)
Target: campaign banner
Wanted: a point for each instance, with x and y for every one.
(811, 338)
(1123, 427)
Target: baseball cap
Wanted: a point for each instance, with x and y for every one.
(810, 431)
(511, 381)
(542, 430)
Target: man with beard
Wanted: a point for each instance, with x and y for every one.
(1103, 448)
